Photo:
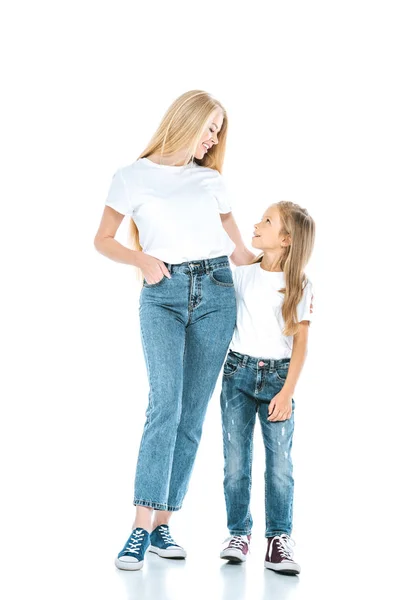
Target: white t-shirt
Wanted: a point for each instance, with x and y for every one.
(176, 209)
(259, 322)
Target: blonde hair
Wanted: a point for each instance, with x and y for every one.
(182, 127)
(300, 227)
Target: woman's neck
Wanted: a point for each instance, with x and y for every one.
(177, 159)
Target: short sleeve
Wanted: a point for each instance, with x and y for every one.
(305, 306)
(118, 197)
(222, 196)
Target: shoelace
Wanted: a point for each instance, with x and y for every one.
(285, 544)
(135, 542)
(237, 542)
(166, 536)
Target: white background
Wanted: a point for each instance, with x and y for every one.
(312, 94)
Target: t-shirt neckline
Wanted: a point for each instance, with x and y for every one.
(271, 272)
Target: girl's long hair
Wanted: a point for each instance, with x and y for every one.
(182, 127)
(298, 224)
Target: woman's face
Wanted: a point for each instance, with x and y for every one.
(209, 136)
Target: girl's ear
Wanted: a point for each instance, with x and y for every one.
(286, 241)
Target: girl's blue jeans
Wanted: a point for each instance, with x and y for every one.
(248, 386)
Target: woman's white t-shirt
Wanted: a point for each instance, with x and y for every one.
(176, 209)
(259, 322)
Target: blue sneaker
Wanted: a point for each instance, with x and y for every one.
(131, 557)
(161, 543)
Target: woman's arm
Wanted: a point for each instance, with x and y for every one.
(105, 243)
(241, 255)
(280, 407)
(152, 268)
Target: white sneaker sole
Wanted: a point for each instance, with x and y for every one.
(233, 555)
(128, 566)
(284, 568)
(169, 552)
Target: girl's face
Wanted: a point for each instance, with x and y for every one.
(209, 136)
(267, 233)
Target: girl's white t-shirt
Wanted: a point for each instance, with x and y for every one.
(176, 209)
(259, 321)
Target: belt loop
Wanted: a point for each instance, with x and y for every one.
(207, 264)
(245, 359)
(271, 365)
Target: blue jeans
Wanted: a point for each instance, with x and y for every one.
(248, 386)
(187, 323)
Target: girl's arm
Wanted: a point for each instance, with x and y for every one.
(280, 407)
(241, 255)
(298, 357)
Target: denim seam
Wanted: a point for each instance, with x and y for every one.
(282, 379)
(250, 480)
(150, 403)
(172, 465)
(239, 532)
(239, 365)
(232, 373)
(218, 266)
(277, 532)
(155, 505)
(152, 285)
(199, 296)
(227, 285)
(190, 303)
(187, 270)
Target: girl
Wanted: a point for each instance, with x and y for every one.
(267, 353)
(183, 232)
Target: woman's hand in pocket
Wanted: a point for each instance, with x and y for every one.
(152, 268)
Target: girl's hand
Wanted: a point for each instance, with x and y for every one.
(280, 407)
(152, 268)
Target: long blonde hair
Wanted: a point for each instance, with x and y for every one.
(181, 127)
(300, 227)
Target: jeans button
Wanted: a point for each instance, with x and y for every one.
(261, 363)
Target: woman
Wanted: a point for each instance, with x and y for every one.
(183, 232)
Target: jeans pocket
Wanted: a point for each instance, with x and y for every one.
(281, 372)
(222, 276)
(231, 366)
(151, 285)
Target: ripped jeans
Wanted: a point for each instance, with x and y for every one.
(248, 386)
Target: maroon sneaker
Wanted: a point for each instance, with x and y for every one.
(236, 548)
(279, 555)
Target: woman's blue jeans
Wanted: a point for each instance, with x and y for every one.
(187, 323)
(248, 385)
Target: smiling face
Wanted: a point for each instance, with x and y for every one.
(209, 136)
(268, 232)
